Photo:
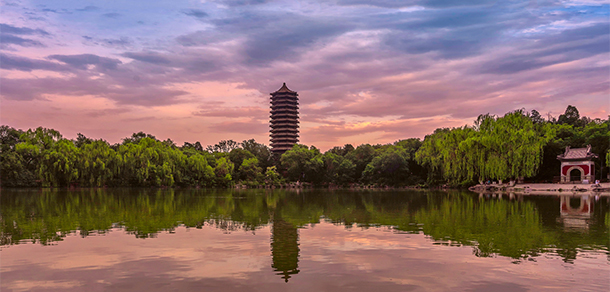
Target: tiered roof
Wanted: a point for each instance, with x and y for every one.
(572, 154)
(284, 89)
(284, 119)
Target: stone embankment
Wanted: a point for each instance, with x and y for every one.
(541, 188)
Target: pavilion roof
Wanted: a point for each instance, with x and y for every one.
(284, 89)
(577, 154)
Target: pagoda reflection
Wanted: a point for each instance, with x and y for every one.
(284, 248)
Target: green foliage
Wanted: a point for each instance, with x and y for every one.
(225, 146)
(512, 229)
(492, 227)
(303, 164)
(224, 169)
(150, 162)
(500, 148)
(249, 170)
(9, 137)
(361, 157)
(339, 169)
(507, 147)
(98, 163)
(198, 172)
(238, 156)
(516, 145)
(570, 117)
(136, 137)
(429, 155)
(272, 177)
(58, 166)
(260, 151)
(14, 169)
(390, 167)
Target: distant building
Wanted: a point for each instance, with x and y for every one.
(577, 165)
(284, 119)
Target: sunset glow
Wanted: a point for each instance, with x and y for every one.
(365, 71)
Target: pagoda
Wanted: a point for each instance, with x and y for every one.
(284, 120)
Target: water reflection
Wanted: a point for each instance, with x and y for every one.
(576, 212)
(514, 226)
(284, 248)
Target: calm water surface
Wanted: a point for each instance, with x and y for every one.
(261, 240)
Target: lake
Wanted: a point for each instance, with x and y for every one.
(307, 240)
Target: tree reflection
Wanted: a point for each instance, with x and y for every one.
(519, 227)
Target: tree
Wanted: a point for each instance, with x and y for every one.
(342, 151)
(390, 167)
(536, 117)
(249, 170)
(361, 157)
(237, 156)
(260, 151)
(31, 150)
(9, 137)
(97, 163)
(272, 177)
(494, 148)
(81, 140)
(338, 169)
(430, 155)
(58, 166)
(571, 116)
(506, 147)
(197, 146)
(13, 167)
(417, 174)
(224, 169)
(303, 164)
(136, 137)
(198, 171)
(223, 146)
(150, 162)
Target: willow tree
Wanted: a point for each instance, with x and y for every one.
(97, 164)
(198, 171)
(506, 147)
(459, 163)
(44, 152)
(429, 154)
(150, 162)
(441, 153)
(494, 148)
(58, 166)
(34, 143)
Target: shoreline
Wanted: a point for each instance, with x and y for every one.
(542, 188)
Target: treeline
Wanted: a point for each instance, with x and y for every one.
(517, 145)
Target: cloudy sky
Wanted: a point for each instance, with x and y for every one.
(365, 71)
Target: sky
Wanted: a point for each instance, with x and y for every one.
(365, 71)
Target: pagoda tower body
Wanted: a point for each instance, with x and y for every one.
(284, 120)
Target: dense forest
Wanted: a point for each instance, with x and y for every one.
(519, 144)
